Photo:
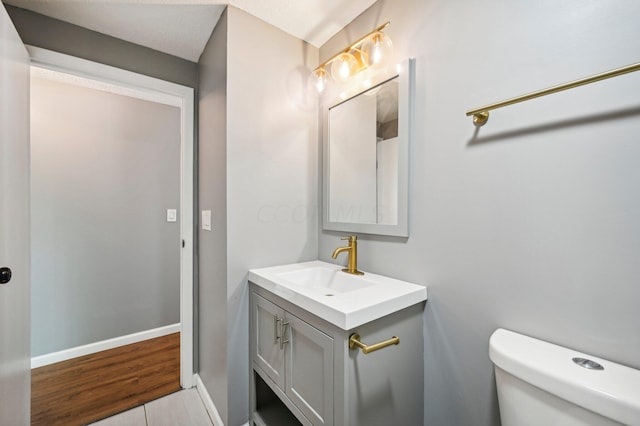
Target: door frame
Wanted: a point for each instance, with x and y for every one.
(156, 90)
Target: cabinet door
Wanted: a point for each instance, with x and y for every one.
(267, 323)
(309, 379)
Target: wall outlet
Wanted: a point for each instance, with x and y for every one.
(206, 220)
(172, 215)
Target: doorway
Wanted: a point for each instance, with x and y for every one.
(122, 287)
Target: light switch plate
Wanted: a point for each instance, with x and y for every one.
(172, 215)
(206, 220)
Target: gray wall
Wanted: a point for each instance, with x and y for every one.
(532, 225)
(48, 33)
(271, 184)
(212, 195)
(105, 262)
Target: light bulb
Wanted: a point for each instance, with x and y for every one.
(319, 79)
(343, 67)
(377, 48)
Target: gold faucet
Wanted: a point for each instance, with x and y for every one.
(352, 250)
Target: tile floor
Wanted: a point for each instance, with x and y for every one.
(183, 408)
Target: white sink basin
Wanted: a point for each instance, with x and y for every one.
(326, 280)
(342, 299)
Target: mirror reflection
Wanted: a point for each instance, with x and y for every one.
(363, 157)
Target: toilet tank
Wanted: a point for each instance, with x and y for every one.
(539, 383)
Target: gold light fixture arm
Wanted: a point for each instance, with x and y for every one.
(355, 343)
(353, 46)
(481, 115)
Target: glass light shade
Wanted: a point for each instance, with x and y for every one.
(319, 79)
(377, 49)
(343, 67)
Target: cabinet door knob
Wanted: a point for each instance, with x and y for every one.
(276, 336)
(284, 341)
(5, 275)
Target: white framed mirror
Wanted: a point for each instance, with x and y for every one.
(366, 158)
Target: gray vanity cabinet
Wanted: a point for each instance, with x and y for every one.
(297, 357)
(302, 371)
(268, 323)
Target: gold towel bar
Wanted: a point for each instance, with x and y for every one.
(481, 115)
(355, 343)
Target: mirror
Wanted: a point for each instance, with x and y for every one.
(366, 159)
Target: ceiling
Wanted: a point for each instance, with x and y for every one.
(182, 28)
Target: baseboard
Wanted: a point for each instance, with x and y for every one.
(208, 402)
(91, 348)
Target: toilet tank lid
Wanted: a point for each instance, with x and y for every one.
(613, 392)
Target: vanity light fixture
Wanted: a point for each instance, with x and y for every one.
(369, 51)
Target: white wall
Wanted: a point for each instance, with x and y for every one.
(271, 153)
(15, 244)
(105, 261)
(532, 224)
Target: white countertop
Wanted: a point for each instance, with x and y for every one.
(342, 299)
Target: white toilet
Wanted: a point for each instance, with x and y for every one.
(540, 384)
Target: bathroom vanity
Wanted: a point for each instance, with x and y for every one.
(310, 326)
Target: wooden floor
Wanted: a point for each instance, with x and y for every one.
(92, 387)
